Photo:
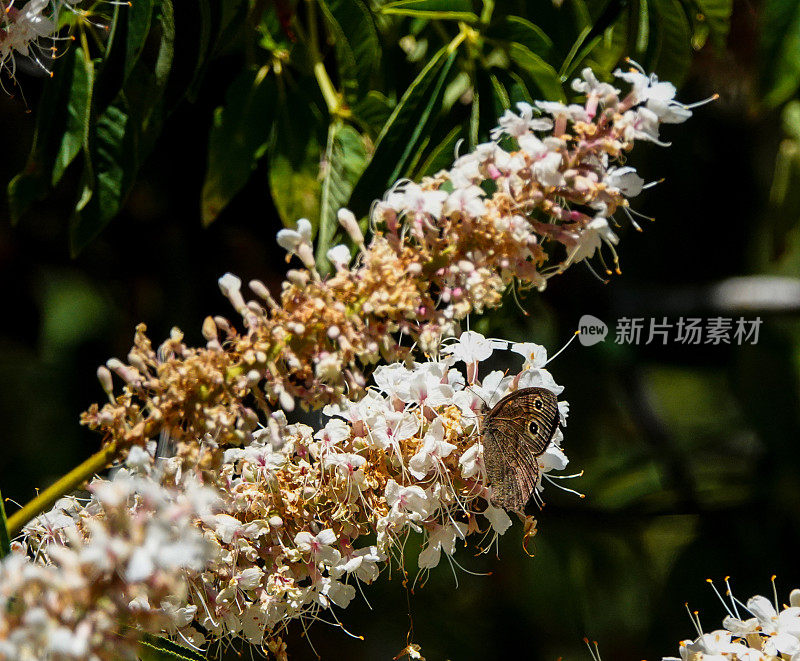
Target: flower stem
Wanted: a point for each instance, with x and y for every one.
(329, 93)
(5, 538)
(63, 486)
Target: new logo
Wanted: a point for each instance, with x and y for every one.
(592, 330)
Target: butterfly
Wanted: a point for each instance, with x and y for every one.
(516, 432)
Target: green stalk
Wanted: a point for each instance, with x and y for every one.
(5, 538)
(61, 487)
(329, 93)
(326, 87)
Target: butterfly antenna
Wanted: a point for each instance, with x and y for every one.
(485, 403)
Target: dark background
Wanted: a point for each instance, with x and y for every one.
(690, 453)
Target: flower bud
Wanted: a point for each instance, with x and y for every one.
(297, 278)
(260, 289)
(306, 254)
(230, 286)
(339, 256)
(104, 376)
(286, 401)
(136, 360)
(209, 329)
(224, 325)
(290, 240)
(348, 221)
(123, 371)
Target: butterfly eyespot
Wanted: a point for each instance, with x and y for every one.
(538, 405)
(533, 428)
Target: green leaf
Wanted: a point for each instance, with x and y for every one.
(104, 192)
(76, 134)
(490, 101)
(544, 76)
(594, 36)
(515, 87)
(673, 41)
(295, 192)
(475, 115)
(345, 159)
(441, 156)
(784, 194)
(33, 182)
(581, 16)
(233, 17)
(184, 49)
(163, 69)
(209, 20)
(457, 86)
(122, 138)
(414, 163)
(140, 15)
(404, 131)
(716, 14)
(500, 96)
(5, 538)
(185, 39)
(372, 112)
(496, 102)
(110, 68)
(791, 120)
(604, 52)
(579, 50)
(356, 43)
(295, 157)
(453, 10)
(519, 30)
(239, 135)
(643, 26)
(780, 45)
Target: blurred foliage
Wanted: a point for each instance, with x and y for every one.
(690, 453)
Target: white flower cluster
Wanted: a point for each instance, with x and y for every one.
(759, 630)
(23, 29)
(407, 457)
(566, 171)
(86, 570)
(309, 515)
(395, 411)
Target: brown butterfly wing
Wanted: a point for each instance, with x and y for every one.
(515, 433)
